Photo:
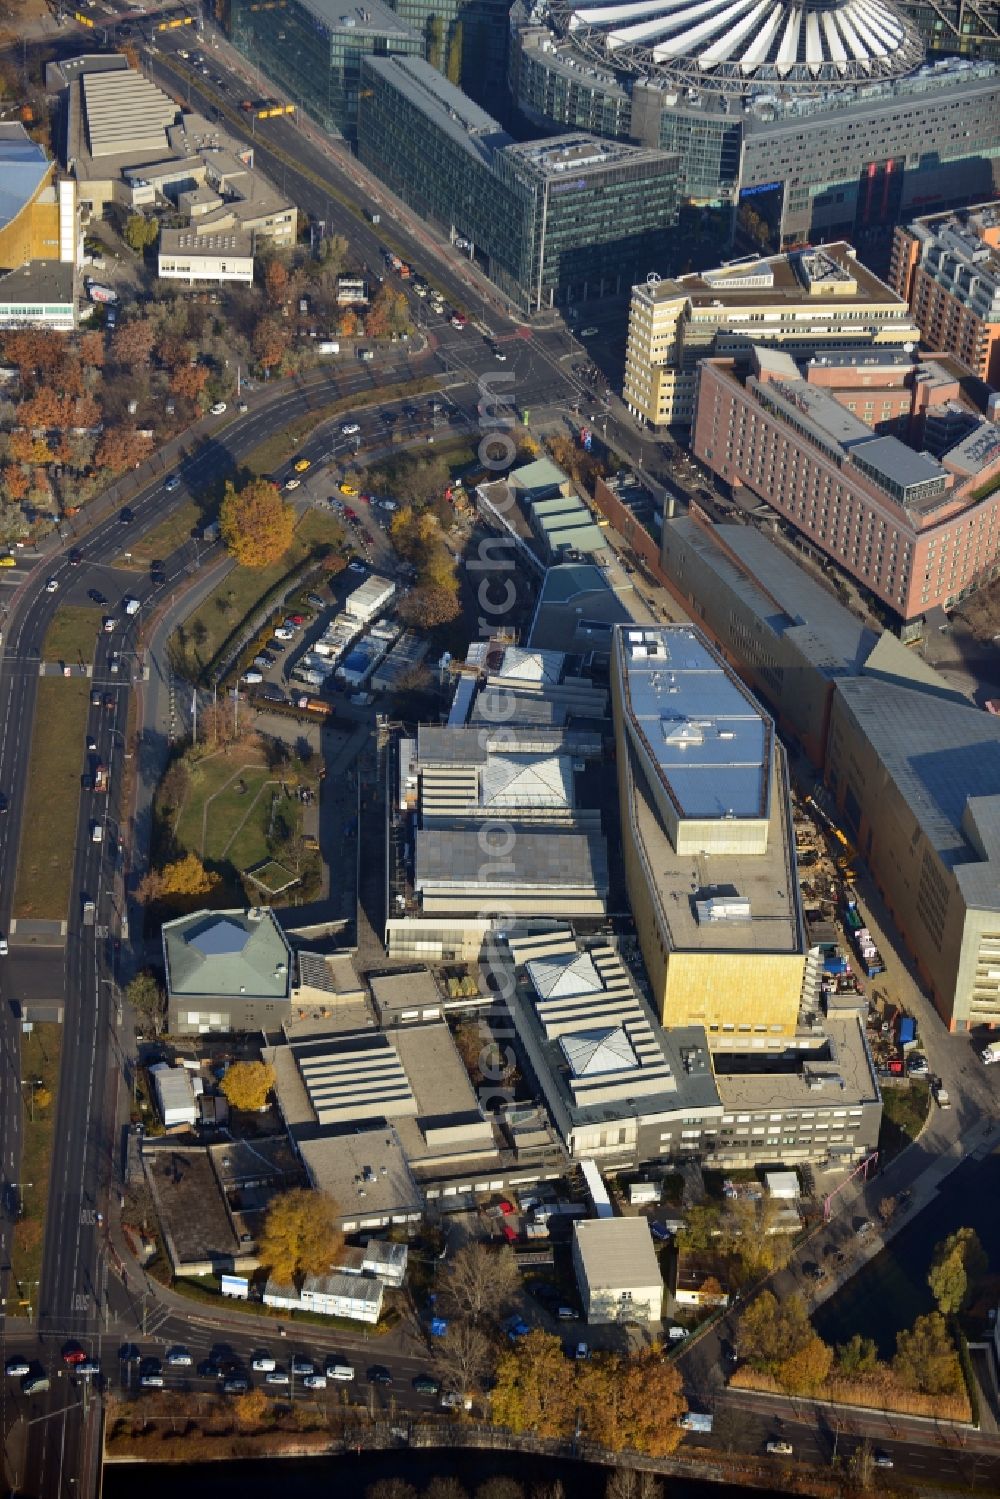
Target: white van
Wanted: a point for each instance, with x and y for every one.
(342, 1372)
(97, 832)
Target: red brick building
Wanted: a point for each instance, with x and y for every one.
(872, 458)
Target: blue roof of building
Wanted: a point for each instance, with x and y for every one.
(710, 741)
(23, 165)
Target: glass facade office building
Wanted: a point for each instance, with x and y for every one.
(550, 221)
(312, 50)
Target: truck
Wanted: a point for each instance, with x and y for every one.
(990, 1053)
(98, 293)
(694, 1421)
(100, 776)
(941, 1097)
(314, 705)
(89, 911)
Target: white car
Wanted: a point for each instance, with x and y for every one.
(264, 1364)
(349, 429)
(3, 947)
(779, 1449)
(52, 586)
(179, 1358)
(219, 408)
(152, 1381)
(172, 483)
(16, 1368)
(315, 1382)
(252, 678)
(292, 483)
(589, 332)
(282, 632)
(277, 1377)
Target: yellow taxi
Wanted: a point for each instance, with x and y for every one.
(302, 465)
(347, 489)
(8, 561)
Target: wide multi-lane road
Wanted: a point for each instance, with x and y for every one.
(77, 969)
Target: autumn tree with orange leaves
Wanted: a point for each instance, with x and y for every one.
(256, 523)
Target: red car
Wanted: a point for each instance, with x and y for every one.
(297, 619)
(74, 1356)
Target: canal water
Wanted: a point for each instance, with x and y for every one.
(891, 1291)
(350, 1477)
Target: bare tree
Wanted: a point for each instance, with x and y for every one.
(631, 1483)
(462, 1357)
(482, 1281)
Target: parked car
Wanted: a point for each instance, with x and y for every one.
(779, 1449)
(151, 1381)
(14, 1368)
(277, 1377)
(882, 1460)
(302, 1365)
(263, 1363)
(179, 1358)
(379, 1374)
(425, 1385)
(218, 408)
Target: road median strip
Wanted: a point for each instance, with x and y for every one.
(52, 802)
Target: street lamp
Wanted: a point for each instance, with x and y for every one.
(32, 1083)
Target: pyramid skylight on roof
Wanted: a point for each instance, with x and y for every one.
(590, 1053)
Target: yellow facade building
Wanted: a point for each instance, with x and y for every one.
(36, 211)
(805, 302)
(707, 838)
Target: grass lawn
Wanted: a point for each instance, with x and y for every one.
(903, 1113)
(164, 538)
(243, 587)
(72, 634)
(45, 861)
(227, 826)
(40, 1051)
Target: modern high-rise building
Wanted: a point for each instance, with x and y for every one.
(312, 50)
(548, 221)
(970, 28)
(805, 303)
(819, 445)
(947, 267)
(464, 39)
(707, 838)
(814, 122)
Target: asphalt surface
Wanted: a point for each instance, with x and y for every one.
(52, 1434)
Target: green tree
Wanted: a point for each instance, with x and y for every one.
(256, 523)
(147, 998)
(300, 1235)
(139, 232)
(926, 1359)
(858, 1356)
(958, 1260)
(454, 68)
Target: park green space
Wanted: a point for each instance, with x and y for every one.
(39, 1067)
(72, 633)
(241, 590)
(226, 815)
(52, 803)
